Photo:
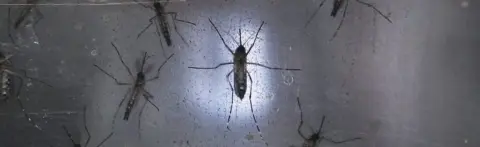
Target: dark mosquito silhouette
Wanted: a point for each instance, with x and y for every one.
(336, 7)
(7, 90)
(24, 13)
(317, 137)
(163, 26)
(86, 130)
(138, 88)
(240, 72)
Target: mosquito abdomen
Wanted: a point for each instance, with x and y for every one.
(129, 109)
(240, 84)
(5, 85)
(165, 31)
(336, 7)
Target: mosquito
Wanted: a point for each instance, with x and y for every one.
(240, 72)
(336, 7)
(86, 130)
(138, 87)
(161, 23)
(24, 13)
(317, 137)
(7, 90)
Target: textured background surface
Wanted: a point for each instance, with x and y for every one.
(412, 83)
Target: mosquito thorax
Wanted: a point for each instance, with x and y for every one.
(140, 75)
(157, 6)
(314, 137)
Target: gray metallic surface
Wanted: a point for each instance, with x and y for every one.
(412, 83)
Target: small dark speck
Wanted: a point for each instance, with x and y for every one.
(347, 94)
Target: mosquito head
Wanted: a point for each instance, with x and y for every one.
(240, 50)
(140, 75)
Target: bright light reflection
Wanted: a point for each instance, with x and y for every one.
(220, 100)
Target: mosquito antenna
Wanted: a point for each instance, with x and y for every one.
(143, 60)
(240, 34)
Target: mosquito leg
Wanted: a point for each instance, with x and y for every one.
(374, 8)
(250, 38)
(119, 105)
(141, 4)
(272, 68)
(342, 141)
(69, 135)
(25, 75)
(314, 13)
(23, 14)
(251, 109)
(5, 59)
(140, 120)
(159, 68)
(9, 27)
(321, 125)
(104, 140)
(166, 2)
(255, 39)
(174, 18)
(231, 104)
(341, 21)
(180, 20)
(17, 95)
(301, 120)
(145, 29)
(148, 96)
(40, 16)
(121, 59)
(85, 125)
(111, 76)
(223, 40)
(221, 64)
(231, 37)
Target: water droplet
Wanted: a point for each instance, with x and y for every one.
(287, 78)
(464, 4)
(94, 52)
(78, 26)
(249, 136)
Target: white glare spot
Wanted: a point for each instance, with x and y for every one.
(287, 78)
(93, 52)
(465, 141)
(29, 84)
(464, 4)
